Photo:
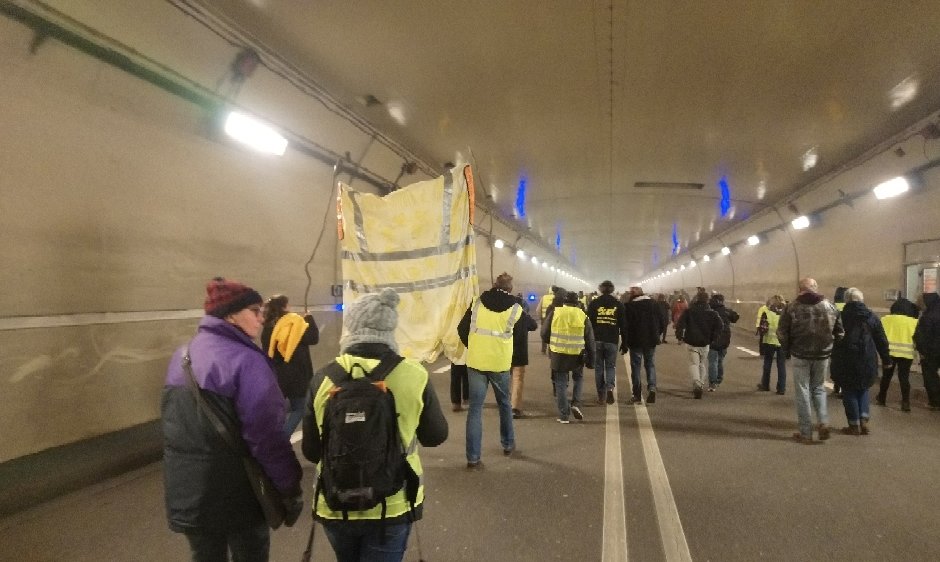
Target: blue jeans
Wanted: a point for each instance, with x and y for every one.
(560, 380)
(808, 378)
(478, 383)
(856, 405)
(769, 352)
(353, 543)
(295, 414)
(251, 544)
(605, 367)
(647, 355)
(716, 366)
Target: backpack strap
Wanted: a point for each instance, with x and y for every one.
(387, 363)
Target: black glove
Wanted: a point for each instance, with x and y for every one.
(293, 506)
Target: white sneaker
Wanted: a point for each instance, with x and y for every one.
(576, 412)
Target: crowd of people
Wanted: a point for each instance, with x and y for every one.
(229, 405)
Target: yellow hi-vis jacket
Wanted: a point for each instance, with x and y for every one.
(545, 303)
(406, 382)
(773, 321)
(900, 331)
(567, 330)
(760, 312)
(489, 343)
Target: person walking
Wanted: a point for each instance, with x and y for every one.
(717, 352)
(642, 328)
(571, 347)
(208, 495)
(770, 345)
(544, 303)
(666, 315)
(607, 321)
(520, 359)
(838, 299)
(899, 328)
(808, 327)
(459, 384)
(855, 360)
(927, 343)
(286, 337)
(698, 328)
(368, 346)
(490, 328)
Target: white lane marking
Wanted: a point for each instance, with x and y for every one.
(746, 350)
(297, 436)
(675, 546)
(615, 520)
(443, 369)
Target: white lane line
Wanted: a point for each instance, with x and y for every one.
(746, 350)
(615, 520)
(443, 369)
(675, 546)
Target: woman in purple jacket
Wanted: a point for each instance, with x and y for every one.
(208, 495)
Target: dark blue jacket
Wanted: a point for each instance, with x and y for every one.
(855, 356)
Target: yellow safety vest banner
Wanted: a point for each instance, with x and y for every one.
(899, 329)
(567, 330)
(490, 341)
(419, 241)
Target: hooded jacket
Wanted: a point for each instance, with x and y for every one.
(607, 319)
(927, 333)
(699, 326)
(808, 327)
(561, 361)
(644, 323)
(728, 317)
(855, 356)
(498, 300)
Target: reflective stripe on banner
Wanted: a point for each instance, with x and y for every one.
(408, 254)
(422, 285)
(357, 219)
(448, 198)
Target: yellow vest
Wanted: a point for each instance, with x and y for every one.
(489, 345)
(773, 320)
(407, 382)
(546, 302)
(567, 330)
(900, 331)
(760, 312)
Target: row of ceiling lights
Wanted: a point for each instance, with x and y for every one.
(499, 244)
(884, 190)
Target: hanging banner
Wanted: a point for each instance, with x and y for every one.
(419, 241)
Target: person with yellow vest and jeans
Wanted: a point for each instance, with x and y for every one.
(544, 304)
(570, 339)
(369, 341)
(770, 345)
(899, 327)
(489, 328)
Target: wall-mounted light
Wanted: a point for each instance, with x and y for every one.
(545, 264)
(753, 240)
(725, 251)
(706, 259)
(682, 267)
(499, 243)
(809, 159)
(799, 223)
(535, 260)
(692, 264)
(892, 187)
(254, 133)
(520, 253)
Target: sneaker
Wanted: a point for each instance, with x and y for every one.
(851, 430)
(763, 388)
(697, 392)
(823, 430)
(517, 414)
(508, 452)
(636, 400)
(576, 412)
(905, 406)
(803, 440)
(780, 393)
(610, 396)
(458, 407)
(478, 465)
(863, 429)
(559, 420)
(651, 397)
(712, 388)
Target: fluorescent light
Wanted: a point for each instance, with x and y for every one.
(725, 251)
(801, 222)
(535, 260)
(499, 243)
(809, 158)
(520, 253)
(705, 258)
(254, 133)
(892, 188)
(692, 264)
(904, 92)
(753, 240)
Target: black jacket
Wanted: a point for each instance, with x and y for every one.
(855, 356)
(607, 319)
(644, 323)
(293, 377)
(728, 317)
(520, 349)
(699, 326)
(498, 300)
(927, 333)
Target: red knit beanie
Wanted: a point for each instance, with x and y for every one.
(228, 297)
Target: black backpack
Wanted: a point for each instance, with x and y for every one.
(364, 460)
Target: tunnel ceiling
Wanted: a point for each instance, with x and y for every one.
(580, 101)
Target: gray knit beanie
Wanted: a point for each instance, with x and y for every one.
(371, 319)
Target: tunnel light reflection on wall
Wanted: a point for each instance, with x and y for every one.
(254, 133)
(892, 188)
(753, 240)
(725, 251)
(499, 243)
(799, 223)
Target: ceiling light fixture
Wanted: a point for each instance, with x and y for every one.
(799, 223)
(520, 253)
(499, 243)
(254, 133)
(753, 240)
(809, 158)
(705, 258)
(892, 188)
(725, 251)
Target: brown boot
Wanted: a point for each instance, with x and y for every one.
(851, 430)
(823, 430)
(864, 427)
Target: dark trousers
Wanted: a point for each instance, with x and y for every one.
(353, 543)
(247, 545)
(904, 378)
(769, 352)
(930, 366)
(459, 384)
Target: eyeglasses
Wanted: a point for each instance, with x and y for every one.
(255, 309)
